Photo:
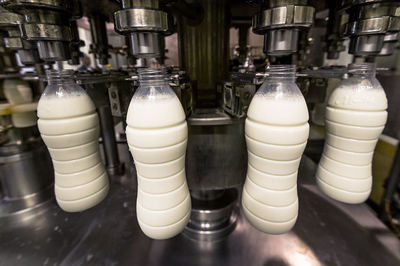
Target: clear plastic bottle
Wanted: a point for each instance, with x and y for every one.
(355, 117)
(157, 138)
(69, 126)
(276, 134)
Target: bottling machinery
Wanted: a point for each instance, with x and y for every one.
(194, 40)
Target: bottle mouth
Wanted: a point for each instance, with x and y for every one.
(362, 68)
(280, 71)
(152, 74)
(55, 75)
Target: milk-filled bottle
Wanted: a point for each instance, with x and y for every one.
(276, 132)
(157, 136)
(17, 92)
(69, 126)
(355, 117)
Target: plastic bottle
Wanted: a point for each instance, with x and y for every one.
(157, 138)
(355, 117)
(69, 127)
(276, 134)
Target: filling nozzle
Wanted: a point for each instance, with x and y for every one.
(281, 39)
(145, 24)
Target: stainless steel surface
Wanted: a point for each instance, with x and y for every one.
(281, 41)
(214, 214)
(288, 16)
(280, 25)
(326, 233)
(366, 44)
(49, 32)
(368, 23)
(216, 153)
(99, 45)
(26, 173)
(140, 19)
(47, 23)
(53, 50)
(26, 50)
(29, 57)
(146, 26)
(146, 44)
(140, 3)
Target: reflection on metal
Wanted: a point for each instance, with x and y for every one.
(368, 23)
(26, 172)
(213, 217)
(280, 24)
(326, 233)
(146, 25)
(46, 23)
(216, 156)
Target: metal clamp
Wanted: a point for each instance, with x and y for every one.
(284, 16)
(16, 43)
(368, 26)
(135, 19)
(46, 32)
(10, 19)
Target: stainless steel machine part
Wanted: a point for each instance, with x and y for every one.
(214, 214)
(280, 24)
(145, 24)
(48, 24)
(216, 151)
(99, 45)
(26, 172)
(326, 233)
(112, 162)
(26, 50)
(368, 23)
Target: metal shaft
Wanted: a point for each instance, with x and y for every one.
(113, 163)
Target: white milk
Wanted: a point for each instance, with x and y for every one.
(157, 138)
(276, 135)
(354, 120)
(69, 127)
(19, 92)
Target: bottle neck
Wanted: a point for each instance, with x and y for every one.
(362, 70)
(60, 77)
(281, 73)
(152, 77)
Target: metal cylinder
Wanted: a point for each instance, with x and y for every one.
(281, 41)
(146, 44)
(113, 163)
(212, 218)
(29, 57)
(53, 50)
(99, 44)
(366, 44)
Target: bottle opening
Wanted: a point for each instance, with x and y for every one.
(58, 76)
(281, 71)
(152, 76)
(367, 69)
